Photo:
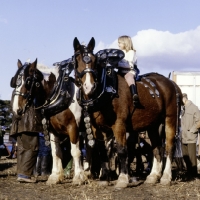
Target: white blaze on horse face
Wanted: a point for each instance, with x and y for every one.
(87, 85)
(15, 105)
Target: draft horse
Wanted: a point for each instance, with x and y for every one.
(158, 104)
(31, 89)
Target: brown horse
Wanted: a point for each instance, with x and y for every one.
(158, 104)
(32, 89)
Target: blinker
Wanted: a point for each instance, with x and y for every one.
(12, 83)
(19, 81)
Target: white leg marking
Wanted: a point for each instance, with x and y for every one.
(168, 167)
(157, 167)
(122, 181)
(155, 174)
(57, 170)
(79, 176)
(76, 153)
(167, 174)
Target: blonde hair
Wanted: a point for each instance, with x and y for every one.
(126, 40)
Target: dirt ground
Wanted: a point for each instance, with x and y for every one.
(10, 189)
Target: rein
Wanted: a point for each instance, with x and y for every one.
(86, 59)
(90, 102)
(56, 91)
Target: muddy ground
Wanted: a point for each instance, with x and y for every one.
(10, 189)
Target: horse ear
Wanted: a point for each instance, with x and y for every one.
(52, 77)
(91, 44)
(19, 63)
(76, 44)
(33, 66)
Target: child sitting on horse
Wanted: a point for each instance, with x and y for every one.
(128, 65)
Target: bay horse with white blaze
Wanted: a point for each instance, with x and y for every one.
(158, 104)
(35, 90)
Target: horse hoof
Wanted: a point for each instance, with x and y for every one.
(79, 179)
(76, 182)
(87, 173)
(120, 185)
(165, 180)
(52, 180)
(122, 182)
(151, 179)
(103, 183)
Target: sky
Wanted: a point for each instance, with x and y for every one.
(165, 33)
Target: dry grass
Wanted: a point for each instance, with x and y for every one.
(10, 189)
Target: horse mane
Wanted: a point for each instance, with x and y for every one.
(47, 71)
(50, 76)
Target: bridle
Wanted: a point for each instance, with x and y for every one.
(86, 59)
(30, 82)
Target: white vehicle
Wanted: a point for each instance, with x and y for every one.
(189, 83)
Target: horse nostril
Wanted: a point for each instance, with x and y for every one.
(85, 85)
(19, 111)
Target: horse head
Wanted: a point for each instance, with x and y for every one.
(28, 84)
(85, 67)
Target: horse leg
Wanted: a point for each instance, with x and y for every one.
(156, 170)
(79, 176)
(57, 175)
(120, 135)
(105, 169)
(155, 174)
(170, 134)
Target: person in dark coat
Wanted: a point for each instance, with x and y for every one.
(25, 130)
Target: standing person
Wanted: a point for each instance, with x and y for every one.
(143, 148)
(128, 65)
(189, 125)
(3, 147)
(25, 130)
(13, 152)
(43, 164)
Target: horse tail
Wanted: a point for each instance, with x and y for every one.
(179, 102)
